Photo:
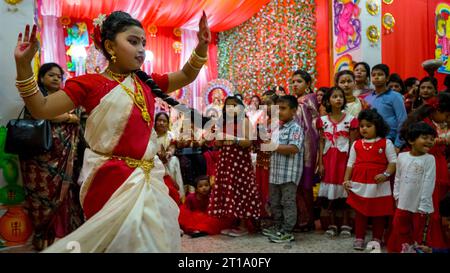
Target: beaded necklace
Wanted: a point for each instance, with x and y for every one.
(367, 148)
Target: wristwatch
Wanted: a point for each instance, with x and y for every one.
(386, 174)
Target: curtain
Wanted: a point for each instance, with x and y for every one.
(412, 41)
(53, 41)
(222, 15)
(323, 44)
(208, 72)
(165, 58)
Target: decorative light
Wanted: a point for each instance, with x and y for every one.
(149, 56)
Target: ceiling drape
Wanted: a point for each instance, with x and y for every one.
(222, 15)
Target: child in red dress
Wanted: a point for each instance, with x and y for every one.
(371, 162)
(337, 132)
(194, 219)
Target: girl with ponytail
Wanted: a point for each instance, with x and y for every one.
(124, 198)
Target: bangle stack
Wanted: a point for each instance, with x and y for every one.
(196, 62)
(28, 87)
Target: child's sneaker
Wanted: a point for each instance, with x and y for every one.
(358, 244)
(331, 231)
(270, 231)
(282, 237)
(346, 232)
(225, 231)
(238, 232)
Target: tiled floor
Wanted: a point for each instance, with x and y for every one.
(312, 242)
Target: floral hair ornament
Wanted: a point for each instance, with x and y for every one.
(433, 102)
(97, 35)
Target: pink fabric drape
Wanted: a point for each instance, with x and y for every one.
(53, 41)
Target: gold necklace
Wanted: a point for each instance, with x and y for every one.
(138, 97)
(117, 75)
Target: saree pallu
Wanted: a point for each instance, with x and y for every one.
(128, 209)
(51, 194)
(307, 114)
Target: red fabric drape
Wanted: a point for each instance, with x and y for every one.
(165, 59)
(222, 15)
(212, 72)
(413, 39)
(323, 43)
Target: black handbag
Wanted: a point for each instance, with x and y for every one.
(28, 137)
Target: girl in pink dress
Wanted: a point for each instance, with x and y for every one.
(370, 164)
(123, 195)
(235, 193)
(337, 131)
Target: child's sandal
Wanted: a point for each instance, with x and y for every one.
(332, 231)
(346, 231)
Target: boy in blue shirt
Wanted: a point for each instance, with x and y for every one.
(388, 103)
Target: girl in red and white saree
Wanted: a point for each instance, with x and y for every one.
(124, 198)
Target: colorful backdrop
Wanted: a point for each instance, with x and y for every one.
(266, 49)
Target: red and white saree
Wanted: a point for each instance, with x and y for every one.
(126, 210)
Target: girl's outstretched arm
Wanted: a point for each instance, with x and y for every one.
(40, 107)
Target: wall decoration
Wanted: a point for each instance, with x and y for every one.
(442, 51)
(264, 51)
(214, 95)
(12, 5)
(372, 7)
(64, 21)
(152, 29)
(388, 22)
(373, 34)
(177, 32)
(15, 226)
(177, 46)
(77, 39)
(95, 61)
(347, 26)
(345, 62)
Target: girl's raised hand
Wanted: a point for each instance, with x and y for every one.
(27, 46)
(204, 34)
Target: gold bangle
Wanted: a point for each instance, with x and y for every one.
(195, 63)
(193, 67)
(25, 87)
(29, 90)
(30, 94)
(197, 60)
(198, 56)
(24, 81)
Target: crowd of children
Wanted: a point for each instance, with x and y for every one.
(377, 166)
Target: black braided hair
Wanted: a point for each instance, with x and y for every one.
(119, 21)
(195, 115)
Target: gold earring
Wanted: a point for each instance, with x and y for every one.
(113, 58)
